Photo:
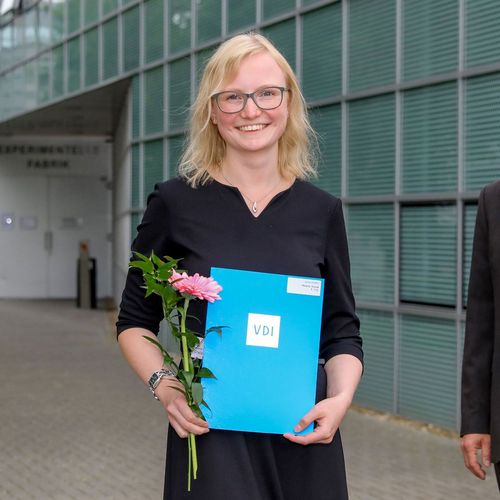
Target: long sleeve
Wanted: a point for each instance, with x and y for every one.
(479, 332)
(135, 309)
(340, 327)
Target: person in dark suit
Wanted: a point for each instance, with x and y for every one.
(480, 429)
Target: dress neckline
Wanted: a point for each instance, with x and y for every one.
(271, 202)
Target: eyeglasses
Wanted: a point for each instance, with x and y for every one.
(233, 102)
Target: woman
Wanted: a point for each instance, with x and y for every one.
(242, 202)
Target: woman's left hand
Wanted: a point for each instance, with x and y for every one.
(328, 414)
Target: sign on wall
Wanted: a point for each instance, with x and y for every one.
(54, 156)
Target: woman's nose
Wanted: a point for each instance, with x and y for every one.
(251, 109)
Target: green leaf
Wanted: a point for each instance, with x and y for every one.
(192, 340)
(196, 409)
(156, 260)
(197, 391)
(140, 256)
(156, 343)
(217, 329)
(204, 403)
(145, 267)
(205, 373)
(187, 376)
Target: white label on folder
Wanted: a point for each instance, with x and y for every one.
(304, 286)
(263, 330)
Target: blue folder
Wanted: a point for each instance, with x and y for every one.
(266, 360)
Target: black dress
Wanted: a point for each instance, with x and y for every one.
(301, 232)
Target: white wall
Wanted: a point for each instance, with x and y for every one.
(121, 200)
(55, 191)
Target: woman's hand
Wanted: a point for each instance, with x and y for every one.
(328, 414)
(171, 394)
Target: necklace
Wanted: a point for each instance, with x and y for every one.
(253, 203)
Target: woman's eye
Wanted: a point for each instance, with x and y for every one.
(233, 97)
(267, 93)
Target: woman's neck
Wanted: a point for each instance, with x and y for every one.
(251, 170)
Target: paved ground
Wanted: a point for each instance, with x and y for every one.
(75, 423)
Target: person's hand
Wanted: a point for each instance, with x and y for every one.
(470, 444)
(328, 414)
(181, 417)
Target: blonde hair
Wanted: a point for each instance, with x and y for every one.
(205, 148)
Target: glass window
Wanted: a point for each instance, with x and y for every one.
(482, 131)
(30, 33)
(57, 21)
(179, 23)
(175, 149)
(326, 122)
(135, 198)
(109, 6)
(110, 49)
(58, 71)
(43, 87)
(240, 14)
(470, 211)
(74, 64)
(322, 52)
(430, 37)
(30, 79)
(208, 16)
(272, 8)
(371, 146)
(179, 92)
(73, 15)
(91, 45)
(430, 122)
(136, 107)
(153, 166)
(482, 43)
(91, 11)
(428, 370)
(283, 37)
(202, 58)
(153, 30)
(371, 248)
(153, 101)
(372, 43)
(376, 389)
(44, 32)
(428, 254)
(131, 41)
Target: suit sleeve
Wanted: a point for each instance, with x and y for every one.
(340, 325)
(479, 332)
(152, 235)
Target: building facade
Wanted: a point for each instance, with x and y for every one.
(405, 97)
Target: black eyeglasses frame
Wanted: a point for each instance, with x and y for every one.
(247, 96)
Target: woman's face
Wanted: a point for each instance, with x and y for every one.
(253, 129)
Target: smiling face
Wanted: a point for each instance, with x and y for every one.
(253, 129)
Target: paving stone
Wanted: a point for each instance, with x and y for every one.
(77, 424)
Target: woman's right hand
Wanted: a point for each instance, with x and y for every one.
(171, 394)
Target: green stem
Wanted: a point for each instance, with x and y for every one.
(185, 354)
(189, 462)
(192, 455)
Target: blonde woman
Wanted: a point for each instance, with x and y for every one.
(242, 201)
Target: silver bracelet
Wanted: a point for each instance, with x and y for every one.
(156, 377)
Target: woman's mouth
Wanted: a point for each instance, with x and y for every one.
(252, 128)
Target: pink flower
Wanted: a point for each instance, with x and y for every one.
(198, 286)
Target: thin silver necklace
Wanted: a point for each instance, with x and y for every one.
(253, 203)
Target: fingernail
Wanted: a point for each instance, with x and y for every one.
(297, 428)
